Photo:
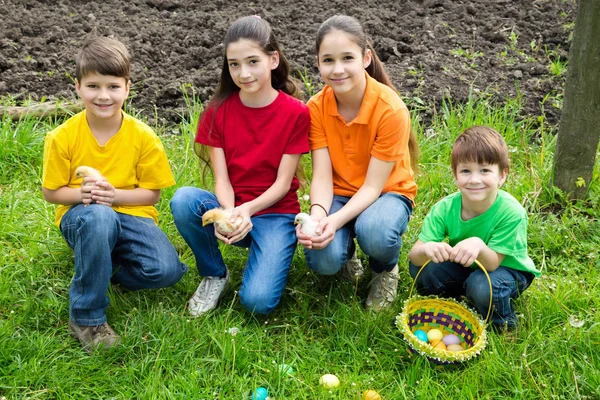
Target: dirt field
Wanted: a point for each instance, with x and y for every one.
(432, 48)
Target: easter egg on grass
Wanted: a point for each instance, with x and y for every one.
(329, 381)
(260, 394)
(421, 335)
(285, 369)
(371, 395)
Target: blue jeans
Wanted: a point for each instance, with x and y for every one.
(134, 251)
(272, 242)
(448, 279)
(378, 230)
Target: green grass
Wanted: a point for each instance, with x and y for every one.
(320, 326)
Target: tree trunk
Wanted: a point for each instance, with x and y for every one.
(579, 128)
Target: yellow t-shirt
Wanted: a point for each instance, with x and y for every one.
(381, 130)
(134, 157)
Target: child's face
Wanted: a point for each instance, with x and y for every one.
(250, 67)
(342, 63)
(102, 95)
(479, 183)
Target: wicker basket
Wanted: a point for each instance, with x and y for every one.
(447, 315)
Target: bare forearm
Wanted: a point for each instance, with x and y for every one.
(362, 199)
(417, 254)
(64, 195)
(225, 194)
(136, 197)
(271, 196)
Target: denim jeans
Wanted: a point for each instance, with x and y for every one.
(134, 251)
(378, 231)
(449, 279)
(272, 242)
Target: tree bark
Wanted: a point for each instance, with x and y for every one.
(40, 110)
(579, 128)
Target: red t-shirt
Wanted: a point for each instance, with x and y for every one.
(254, 140)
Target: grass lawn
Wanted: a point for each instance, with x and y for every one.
(320, 326)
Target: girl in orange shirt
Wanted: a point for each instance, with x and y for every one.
(363, 153)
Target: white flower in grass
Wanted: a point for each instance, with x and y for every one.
(306, 197)
(575, 323)
(233, 331)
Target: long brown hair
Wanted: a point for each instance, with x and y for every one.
(376, 70)
(258, 30)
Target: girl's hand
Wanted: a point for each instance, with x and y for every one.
(304, 239)
(240, 214)
(437, 251)
(104, 193)
(466, 251)
(325, 230)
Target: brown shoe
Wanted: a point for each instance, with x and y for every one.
(94, 337)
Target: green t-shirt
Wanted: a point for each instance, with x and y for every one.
(503, 228)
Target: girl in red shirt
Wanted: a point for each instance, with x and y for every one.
(254, 131)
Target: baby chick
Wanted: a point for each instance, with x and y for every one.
(222, 219)
(307, 224)
(83, 171)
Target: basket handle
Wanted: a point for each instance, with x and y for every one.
(489, 312)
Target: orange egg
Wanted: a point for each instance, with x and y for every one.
(439, 345)
(371, 395)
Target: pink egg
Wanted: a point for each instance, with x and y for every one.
(450, 339)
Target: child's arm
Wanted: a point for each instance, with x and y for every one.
(467, 251)
(63, 195)
(107, 195)
(223, 188)
(435, 251)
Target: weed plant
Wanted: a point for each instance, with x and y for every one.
(320, 326)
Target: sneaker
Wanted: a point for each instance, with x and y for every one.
(353, 270)
(208, 294)
(94, 337)
(383, 290)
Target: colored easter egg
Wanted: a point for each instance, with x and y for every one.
(451, 339)
(438, 345)
(421, 335)
(260, 394)
(329, 381)
(285, 369)
(455, 347)
(371, 395)
(434, 334)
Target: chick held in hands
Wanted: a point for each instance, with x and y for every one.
(307, 224)
(222, 219)
(83, 171)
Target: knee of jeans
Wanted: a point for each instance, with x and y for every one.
(182, 201)
(324, 262)
(102, 218)
(477, 289)
(258, 303)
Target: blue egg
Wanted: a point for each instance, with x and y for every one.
(421, 335)
(260, 394)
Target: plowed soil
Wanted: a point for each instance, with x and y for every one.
(431, 48)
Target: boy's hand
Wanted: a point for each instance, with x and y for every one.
(88, 184)
(467, 251)
(103, 193)
(437, 251)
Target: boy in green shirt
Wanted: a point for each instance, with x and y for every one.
(481, 223)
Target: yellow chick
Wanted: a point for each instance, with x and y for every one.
(308, 225)
(222, 219)
(83, 171)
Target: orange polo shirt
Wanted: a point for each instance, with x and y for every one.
(381, 130)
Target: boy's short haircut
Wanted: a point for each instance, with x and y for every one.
(482, 145)
(104, 56)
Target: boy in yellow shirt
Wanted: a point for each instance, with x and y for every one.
(110, 222)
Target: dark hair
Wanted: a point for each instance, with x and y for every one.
(258, 30)
(104, 56)
(376, 70)
(480, 144)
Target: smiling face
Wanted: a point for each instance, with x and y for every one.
(103, 95)
(250, 69)
(479, 184)
(342, 64)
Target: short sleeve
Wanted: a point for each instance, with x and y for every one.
(298, 141)
(56, 163)
(316, 135)
(209, 131)
(393, 132)
(153, 169)
(434, 226)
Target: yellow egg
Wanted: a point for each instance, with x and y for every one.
(438, 345)
(371, 395)
(434, 335)
(329, 381)
(455, 347)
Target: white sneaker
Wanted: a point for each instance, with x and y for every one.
(208, 294)
(383, 290)
(353, 270)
